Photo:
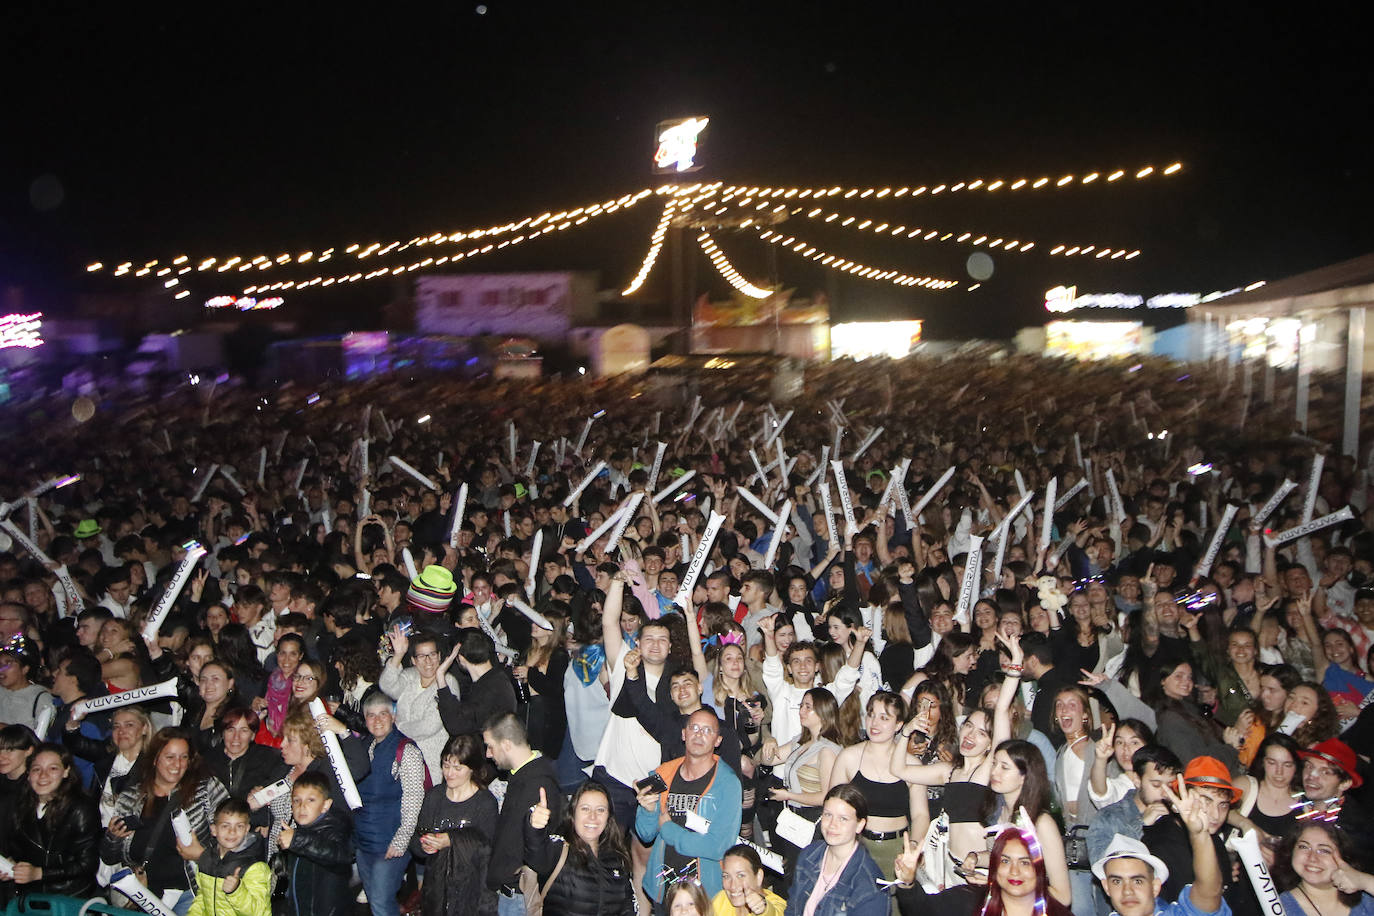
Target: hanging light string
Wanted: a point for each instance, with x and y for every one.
(727, 270)
(835, 262)
(926, 234)
(976, 184)
(538, 224)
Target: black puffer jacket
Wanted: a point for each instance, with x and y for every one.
(317, 866)
(66, 845)
(601, 887)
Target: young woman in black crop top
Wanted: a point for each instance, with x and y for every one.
(893, 805)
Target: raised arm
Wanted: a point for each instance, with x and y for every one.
(694, 639)
(611, 638)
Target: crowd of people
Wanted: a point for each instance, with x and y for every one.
(448, 647)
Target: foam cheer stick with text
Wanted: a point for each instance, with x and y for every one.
(165, 690)
(194, 551)
(334, 751)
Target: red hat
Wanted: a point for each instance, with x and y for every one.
(1337, 753)
(1211, 773)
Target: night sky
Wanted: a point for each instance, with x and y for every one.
(212, 129)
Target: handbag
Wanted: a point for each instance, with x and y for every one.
(1076, 848)
(529, 885)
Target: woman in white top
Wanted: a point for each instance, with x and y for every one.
(416, 692)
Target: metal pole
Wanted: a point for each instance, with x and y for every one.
(1305, 333)
(1354, 375)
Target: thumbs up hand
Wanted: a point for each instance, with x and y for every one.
(539, 814)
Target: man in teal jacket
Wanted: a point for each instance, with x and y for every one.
(694, 822)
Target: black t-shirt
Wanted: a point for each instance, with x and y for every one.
(684, 795)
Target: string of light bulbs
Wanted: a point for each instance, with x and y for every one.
(181, 263)
(921, 234)
(976, 184)
(727, 270)
(835, 262)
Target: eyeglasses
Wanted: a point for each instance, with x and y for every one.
(701, 729)
(426, 655)
(304, 677)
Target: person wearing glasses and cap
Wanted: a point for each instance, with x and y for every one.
(1329, 773)
(1133, 877)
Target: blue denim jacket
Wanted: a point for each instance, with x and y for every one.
(856, 893)
(1121, 817)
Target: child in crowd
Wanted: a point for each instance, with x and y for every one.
(233, 878)
(317, 850)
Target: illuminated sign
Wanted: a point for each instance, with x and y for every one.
(244, 303)
(21, 331)
(1066, 299)
(677, 145)
(864, 339)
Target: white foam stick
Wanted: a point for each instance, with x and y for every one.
(264, 796)
(734, 416)
(53, 484)
(529, 465)
(684, 545)
(165, 690)
(829, 510)
(777, 430)
(362, 458)
(784, 516)
(758, 504)
(1228, 516)
(1073, 491)
(364, 503)
(1016, 509)
(1283, 537)
(512, 440)
(367, 417)
(601, 529)
(1202, 513)
(835, 445)
(1309, 498)
(128, 884)
(167, 439)
(928, 495)
(582, 439)
(968, 588)
(300, 474)
(868, 440)
(1088, 476)
(689, 581)
(229, 476)
(658, 419)
(457, 524)
(904, 501)
(327, 519)
(535, 617)
(334, 752)
(262, 466)
(782, 459)
(846, 505)
(6, 867)
(1246, 846)
(657, 465)
(1078, 449)
(591, 475)
(401, 465)
(1117, 507)
(1020, 482)
(205, 482)
(674, 486)
(279, 445)
(820, 466)
(768, 857)
(891, 486)
(43, 721)
(386, 427)
(759, 474)
(31, 516)
(181, 825)
(1274, 501)
(1047, 518)
(536, 550)
(169, 595)
(64, 576)
(631, 505)
(408, 559)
